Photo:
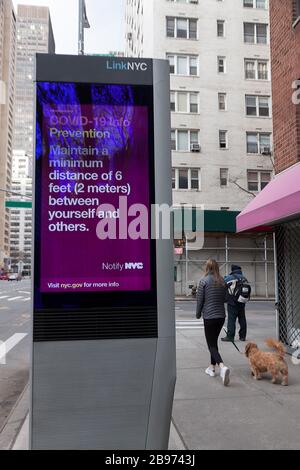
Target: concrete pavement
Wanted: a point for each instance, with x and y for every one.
(248, 414)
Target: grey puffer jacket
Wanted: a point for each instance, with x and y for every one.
(211, 298)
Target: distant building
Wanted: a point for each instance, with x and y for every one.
(20, 218)
(34, 35)
(7, 93)
(22, 165)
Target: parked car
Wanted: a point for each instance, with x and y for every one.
(15, 277)
(4, 277)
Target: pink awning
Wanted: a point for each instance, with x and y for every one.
(279, 200)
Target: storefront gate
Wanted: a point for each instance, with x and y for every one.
(288, 282)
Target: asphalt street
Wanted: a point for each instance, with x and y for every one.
(15, 309)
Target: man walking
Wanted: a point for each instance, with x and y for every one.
(236, 310)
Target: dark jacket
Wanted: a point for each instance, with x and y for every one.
(210, 299)
(236, 273)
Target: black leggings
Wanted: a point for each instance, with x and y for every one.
(212, 330)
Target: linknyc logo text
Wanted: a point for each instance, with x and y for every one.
(127, 66)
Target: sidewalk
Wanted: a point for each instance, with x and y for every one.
(248, 414)
(15, 433)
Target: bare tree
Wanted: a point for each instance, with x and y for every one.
(235, 182)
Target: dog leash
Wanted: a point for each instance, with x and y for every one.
(232, 341)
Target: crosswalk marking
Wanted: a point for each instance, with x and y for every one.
(189, 325)
(19, 298)
(9, 345)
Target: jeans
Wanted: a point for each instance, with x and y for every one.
(236, 312)
(212, 329)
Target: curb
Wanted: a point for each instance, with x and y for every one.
(22, 440)
(10, 431)
(176, 441)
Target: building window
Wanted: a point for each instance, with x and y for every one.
(194, 138)
(170, 27)
(296, 11)
(256, 69)
(221, 64)
(255, 33)
(185, 102)
(173, 101)
(224, 173)
(184, 28)
(260, 4)
(181, 28)
(258, 106)
(222, 98)
(194, 179)
(184, 179)
(173, 178)
(172, 64)
(259, 143)
(173, 140)
(193, 65)
(223, 140)
(258, 180)
(193, 29)
(182, 102)
(194, 102)
(183, 140)
(220, 28)
(183, 64)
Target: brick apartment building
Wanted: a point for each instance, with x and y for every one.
(285, 50)
(278, 205)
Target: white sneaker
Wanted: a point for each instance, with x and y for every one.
(225, 373)
(210, 372)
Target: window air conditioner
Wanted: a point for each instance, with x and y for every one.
(266, 151)
(196, 148)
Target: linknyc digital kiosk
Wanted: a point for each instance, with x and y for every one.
(103, 356)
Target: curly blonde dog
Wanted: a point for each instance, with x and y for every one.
(272, 362)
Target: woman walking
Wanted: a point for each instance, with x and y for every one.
(211, 297)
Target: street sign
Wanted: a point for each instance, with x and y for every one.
(18, 205)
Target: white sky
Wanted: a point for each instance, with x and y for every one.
(105, 17)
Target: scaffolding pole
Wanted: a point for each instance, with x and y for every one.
(276, 286)
(186, 267)
(266, 267)
(226, 255)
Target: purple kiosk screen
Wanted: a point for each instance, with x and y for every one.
(93, 178)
